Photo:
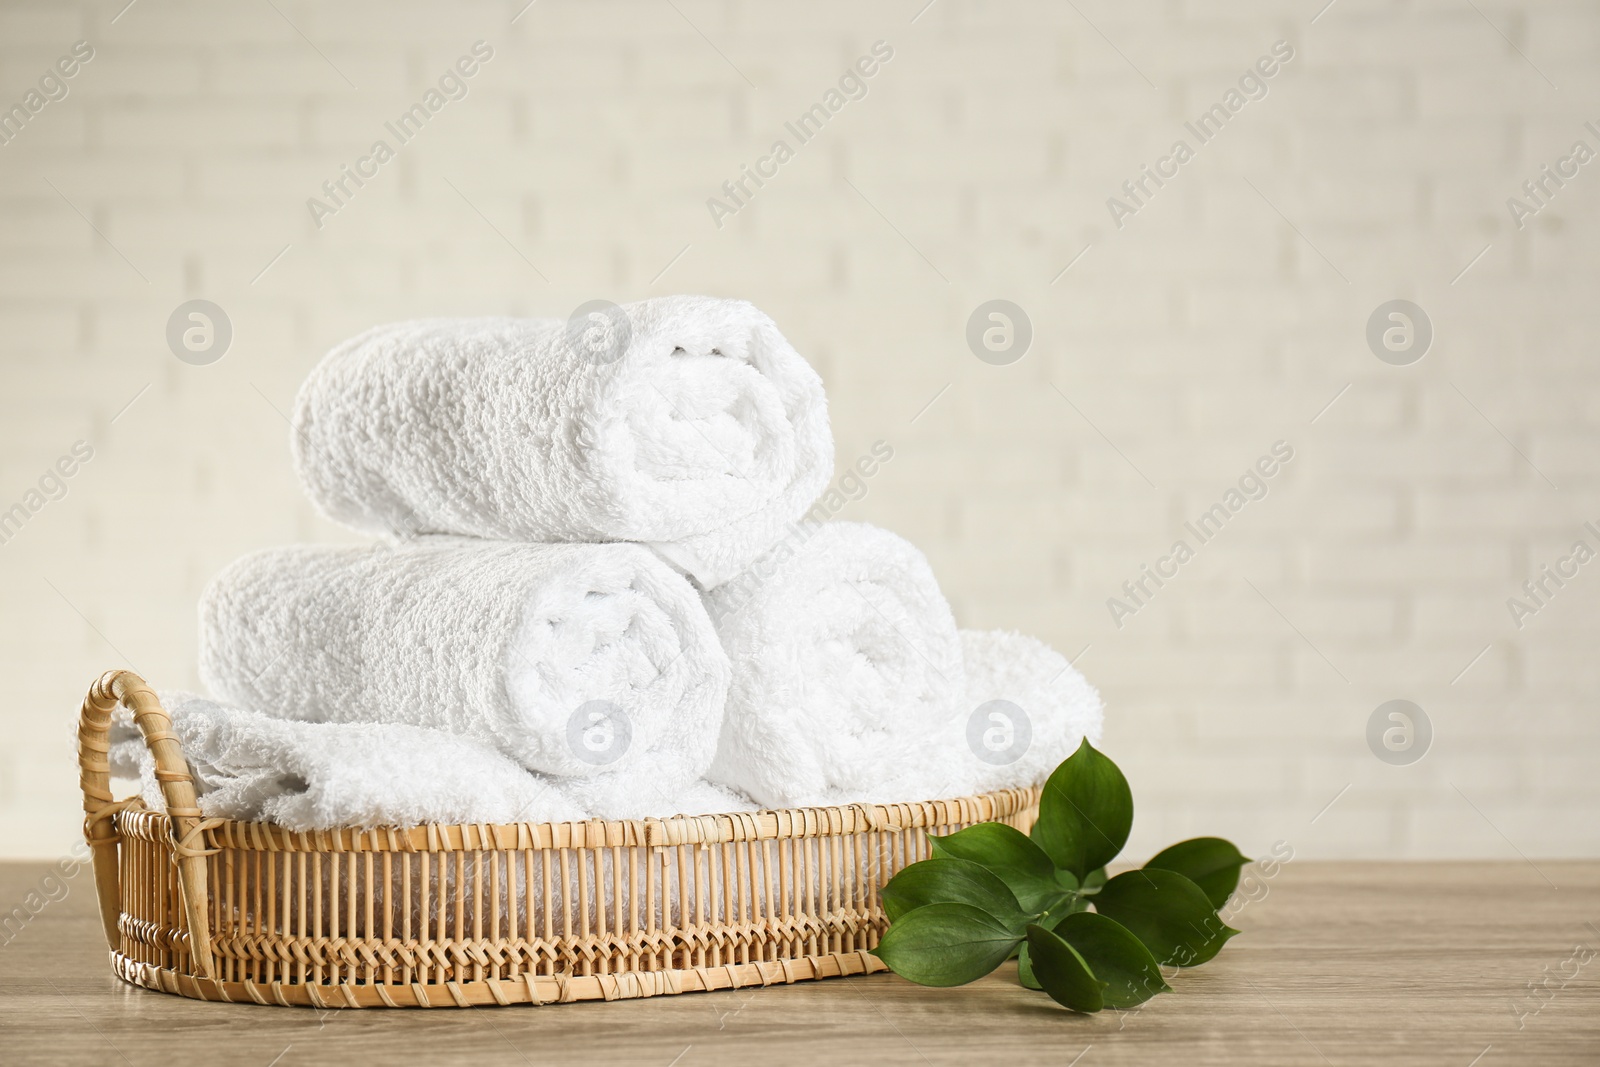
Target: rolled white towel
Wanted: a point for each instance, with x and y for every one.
(326, 776)
(847, 673)
(687, 423)
(580, 661)
(1027, 709)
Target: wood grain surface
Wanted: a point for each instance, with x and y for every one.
(1366, 963)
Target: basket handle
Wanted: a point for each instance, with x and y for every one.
(177, 788)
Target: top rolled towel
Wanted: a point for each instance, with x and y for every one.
(686, 423)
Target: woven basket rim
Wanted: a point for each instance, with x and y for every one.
(176, 858)
(766, 824)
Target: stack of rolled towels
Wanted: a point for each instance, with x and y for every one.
(600, 591)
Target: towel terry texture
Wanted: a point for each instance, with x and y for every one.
(322, 776)
(326, 776)
(1047, 708)
(579, 661)
(847, 673)
(687, 423)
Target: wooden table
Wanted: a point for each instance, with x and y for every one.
(1365, 963)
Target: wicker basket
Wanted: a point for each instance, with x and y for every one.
(458, 916)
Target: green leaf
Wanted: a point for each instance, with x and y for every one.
(952, 881)
(1049, 922)
(1209, 862)
(1063, 973)
(945, 944)
(1085, 812)
(1118, 959)
(1025, 969)
(1168, 912)
(1013, 856)
(1094, 880)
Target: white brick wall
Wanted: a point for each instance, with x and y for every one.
(1202, 331)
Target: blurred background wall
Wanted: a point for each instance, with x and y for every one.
(1176, 336)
